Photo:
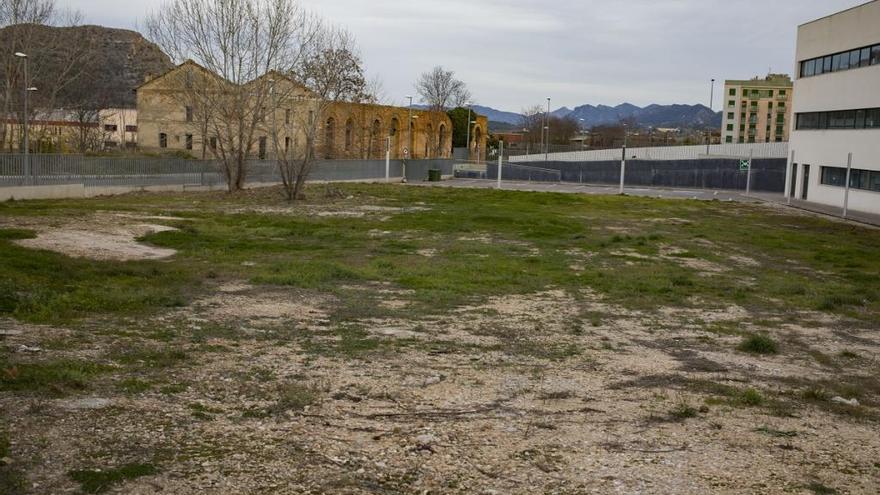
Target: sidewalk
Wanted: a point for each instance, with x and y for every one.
(855, 216)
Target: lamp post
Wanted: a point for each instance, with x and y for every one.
(584, 136)
(711, 113)
(27, 91)
(410, 147)
(547, 151)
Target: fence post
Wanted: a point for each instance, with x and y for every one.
(388, 159)
(622, 168)
(500, 160)
(846, 190)
(789, 185)
(749, 174)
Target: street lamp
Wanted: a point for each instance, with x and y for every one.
(584, 133)
(27, 90)
(410, 131)
(547, 151)
(711, 114)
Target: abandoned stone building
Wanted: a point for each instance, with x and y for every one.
(168, 122)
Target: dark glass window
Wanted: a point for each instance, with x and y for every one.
(875, 55)
(868, 180)
(833, 176)
(872, 118)
(865, 57)
(842, 119)
(163, 140)
(826, 64)
(189, 141)
(809, 68)
(854, 58)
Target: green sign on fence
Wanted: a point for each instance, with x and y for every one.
(743, 165)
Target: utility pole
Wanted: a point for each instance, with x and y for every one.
(711, 114)
(547, 152)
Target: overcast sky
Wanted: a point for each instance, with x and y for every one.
(516, 53)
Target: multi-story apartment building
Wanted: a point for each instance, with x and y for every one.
(837, 111)
(757, 110)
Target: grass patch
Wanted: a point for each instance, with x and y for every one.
(295, 397)
(135, 386)
(100, 481)
(11, 481)
(759, 344)
(151, 358)
(683, 410)
(820, 489)
(52, 377)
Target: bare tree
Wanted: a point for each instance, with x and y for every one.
(375, 91)
(440, 90)
(237, 44)
(532, 122)
(332, 72)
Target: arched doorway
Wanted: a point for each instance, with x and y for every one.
(375, 147)
(349, 135)
(329, 138)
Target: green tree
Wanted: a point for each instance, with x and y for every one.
(459, 118)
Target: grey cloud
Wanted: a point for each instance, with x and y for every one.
(515, 53)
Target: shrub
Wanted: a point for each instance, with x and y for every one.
(759, 344)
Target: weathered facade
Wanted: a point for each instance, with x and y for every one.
(166, 123)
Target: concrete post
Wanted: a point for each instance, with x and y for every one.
(749, 174)
(500, 160)
(622, 168)
(846, 190)
(388, 159)
(790, 184)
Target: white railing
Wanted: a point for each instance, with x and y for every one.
(755, 150)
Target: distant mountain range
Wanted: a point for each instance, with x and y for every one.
(686, 116)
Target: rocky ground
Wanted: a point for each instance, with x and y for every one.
(264, 389)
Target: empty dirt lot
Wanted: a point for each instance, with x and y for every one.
(381, 339)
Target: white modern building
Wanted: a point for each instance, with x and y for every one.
(837, 111)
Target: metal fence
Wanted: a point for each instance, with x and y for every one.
(509, 171)
(47, 170)
(755, 150)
